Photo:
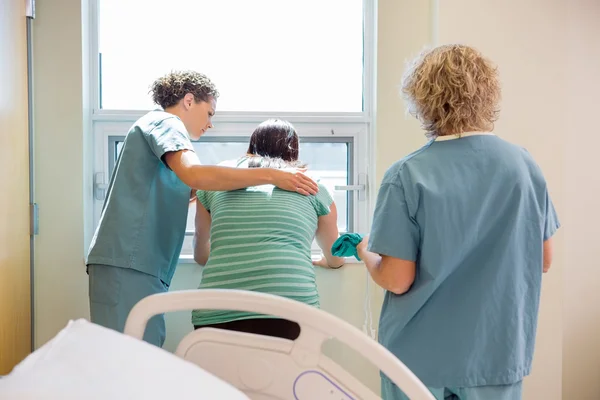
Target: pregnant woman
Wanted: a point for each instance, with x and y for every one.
(260, 238)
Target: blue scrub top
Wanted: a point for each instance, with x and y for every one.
(473, 214)
(144, 216)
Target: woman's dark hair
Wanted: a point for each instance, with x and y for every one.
(168, 90)
(275, 139)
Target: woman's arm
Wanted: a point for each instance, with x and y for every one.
(327, 234)
(187, 167)
(202, 234)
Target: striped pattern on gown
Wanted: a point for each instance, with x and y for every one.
(261, 241)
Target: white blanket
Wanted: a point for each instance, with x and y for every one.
(87, 361)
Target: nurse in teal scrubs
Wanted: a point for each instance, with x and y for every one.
(136, 247)
(461, 235)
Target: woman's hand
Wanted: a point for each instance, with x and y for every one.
(322, 262)
(294, 180)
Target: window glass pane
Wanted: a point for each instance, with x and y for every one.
(263, 55)
(326, 161)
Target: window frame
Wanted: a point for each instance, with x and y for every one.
(321, 126)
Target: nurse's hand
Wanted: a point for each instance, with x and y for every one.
(361, 249)
(294, 180)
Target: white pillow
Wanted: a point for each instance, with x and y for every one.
(87, 361)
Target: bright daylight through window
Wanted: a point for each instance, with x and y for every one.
(306, 61)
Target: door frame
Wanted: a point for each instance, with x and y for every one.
(33, 209)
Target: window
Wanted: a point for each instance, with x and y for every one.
(263, 55)
(294, 75)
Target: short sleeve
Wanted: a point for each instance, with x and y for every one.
(323, 200)
(551, 223)
(394, 233)
(168, 135)
(204, 198)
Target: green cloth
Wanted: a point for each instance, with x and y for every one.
(345, 245)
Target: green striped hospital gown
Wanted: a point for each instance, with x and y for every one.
(260, 240)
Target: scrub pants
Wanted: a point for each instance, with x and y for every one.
(389, 391)
(113, 293)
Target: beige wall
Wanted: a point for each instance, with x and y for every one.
(404, 27)
(60, 279)
(526, 116)
(528, 39)
(531, 75)
(581, 216)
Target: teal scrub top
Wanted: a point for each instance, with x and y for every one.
(143, 220)
(473, 214)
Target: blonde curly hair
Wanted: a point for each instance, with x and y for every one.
(452, 89)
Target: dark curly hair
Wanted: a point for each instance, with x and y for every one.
(168, 90)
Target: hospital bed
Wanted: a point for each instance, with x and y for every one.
(268, 368)
(87, 361)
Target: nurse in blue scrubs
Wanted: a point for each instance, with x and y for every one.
(461, 235)
(136, 246)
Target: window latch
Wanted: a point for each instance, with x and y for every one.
(350, 187)
(99, 186)
(360, 187)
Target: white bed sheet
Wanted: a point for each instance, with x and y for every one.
(87, 361)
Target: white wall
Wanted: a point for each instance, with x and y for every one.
(549, 101)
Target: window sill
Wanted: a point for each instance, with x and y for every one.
(190, 259)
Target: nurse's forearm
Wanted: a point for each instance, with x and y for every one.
(384, 275)
(373, 263)
(205, 177)
(187, 167)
